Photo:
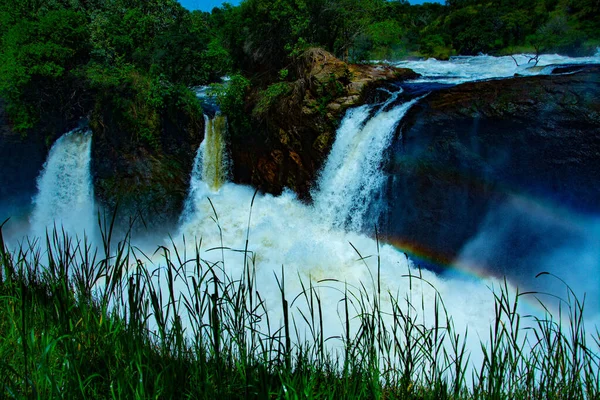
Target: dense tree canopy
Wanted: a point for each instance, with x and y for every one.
(263, 36)
(129, 60)
(123, 60)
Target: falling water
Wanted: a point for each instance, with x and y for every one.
(349, 185)
(212, 152)
(65, 193)
(211, 165)
(321, 241)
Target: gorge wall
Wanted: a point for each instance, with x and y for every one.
(463, 151)
(21, 159)
(148, 182)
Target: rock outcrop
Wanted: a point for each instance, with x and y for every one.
(464, 150)
(291, 139)
(21, 159)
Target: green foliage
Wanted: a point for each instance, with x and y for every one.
(264, 36)
(557, 35)
(53, 53)
(268, 97)
(86, 322)
(548, 25)
(231, 98)
(39, 60)
(434, 46)
(381, 40)
(122, 62)
(328, 91)
(263, 33)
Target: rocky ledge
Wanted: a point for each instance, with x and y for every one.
(291, 139)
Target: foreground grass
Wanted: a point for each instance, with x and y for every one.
(80, 322)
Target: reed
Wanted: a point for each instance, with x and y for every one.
(86, 322)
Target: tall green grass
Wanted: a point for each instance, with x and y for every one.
(85, 322)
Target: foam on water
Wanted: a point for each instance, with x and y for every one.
(314, 244)
(311, 243)
(283, 232)
(352, 178)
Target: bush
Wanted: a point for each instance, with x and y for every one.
(231, 99)
(268, 98)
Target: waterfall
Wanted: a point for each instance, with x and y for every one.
(351, 180)
(212, 154)
(211, 165)
(65, 194)
(276, 232)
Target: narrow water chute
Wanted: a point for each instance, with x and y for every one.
(211, 164)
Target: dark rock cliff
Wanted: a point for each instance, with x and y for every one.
(21, 159)
(464, 150)
(148, 183)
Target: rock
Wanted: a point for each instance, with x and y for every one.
(21, 160)
(463, 150)
(148, 183)
(300, 127)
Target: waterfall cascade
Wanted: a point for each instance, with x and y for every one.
(212, 154)
(65, 193)
(311, 242)
(349, 187)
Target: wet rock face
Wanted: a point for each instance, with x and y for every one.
(290, 142)
(147, 183)
(21, 160)
(464, 150)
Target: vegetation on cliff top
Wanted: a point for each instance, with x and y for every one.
(122, 61)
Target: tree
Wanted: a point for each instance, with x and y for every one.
(40, 65)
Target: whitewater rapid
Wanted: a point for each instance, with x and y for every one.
(323, 244)
(463, 69)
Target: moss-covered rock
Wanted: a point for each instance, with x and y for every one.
(148, 181)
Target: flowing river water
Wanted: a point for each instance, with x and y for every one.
(333, 238)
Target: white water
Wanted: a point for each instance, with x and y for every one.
(352, 178)
(65, 193)
(283, 232)
(310, 243)
(211, 164)
(471, 68)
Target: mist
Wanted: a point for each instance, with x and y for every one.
(522, 237)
